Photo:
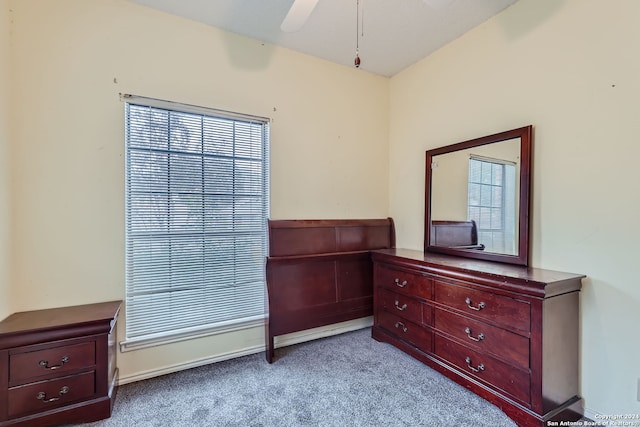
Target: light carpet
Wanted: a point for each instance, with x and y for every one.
(344, 380)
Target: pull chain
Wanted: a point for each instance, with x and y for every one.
(356, 61)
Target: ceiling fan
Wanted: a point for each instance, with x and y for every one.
(301, 10)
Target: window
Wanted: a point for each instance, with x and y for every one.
(196, 212)
(491, 203)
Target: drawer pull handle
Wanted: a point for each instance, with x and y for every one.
(401, 325)
(43, 396)
(401, 284)
(45, 363)
(478, 369)
(468, 332)
(401, 307)
(480, 306)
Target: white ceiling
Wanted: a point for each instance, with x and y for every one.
(394, 33)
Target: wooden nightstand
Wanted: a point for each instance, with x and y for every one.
(58, 365)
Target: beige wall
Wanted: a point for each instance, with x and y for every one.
(73, 57)
(571, 69)
(5, 187)
(450, 178)
(568, 67)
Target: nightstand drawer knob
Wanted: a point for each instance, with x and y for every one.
(43, 396)
(45, 363)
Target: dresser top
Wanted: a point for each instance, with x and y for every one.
(539, 281)
(56, 318)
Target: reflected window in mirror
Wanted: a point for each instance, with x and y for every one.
(491, 202)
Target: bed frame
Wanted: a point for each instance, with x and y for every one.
(319, 272)
(455, 234)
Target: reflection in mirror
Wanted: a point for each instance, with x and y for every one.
(484, 196)
(477, 197)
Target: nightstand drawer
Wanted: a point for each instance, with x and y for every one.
(403, 282)
(45, 395)
(504, 310)
(51, 362)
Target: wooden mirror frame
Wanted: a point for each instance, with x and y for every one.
(522, 257)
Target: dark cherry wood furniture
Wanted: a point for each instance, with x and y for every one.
(58, 366)
(507, 333)
(523, 137)
(319, 272)
(455, 234)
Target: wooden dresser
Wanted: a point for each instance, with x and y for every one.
(507, 333)
(58, 366)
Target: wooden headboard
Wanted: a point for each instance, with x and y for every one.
(319, 272)
(455, 234)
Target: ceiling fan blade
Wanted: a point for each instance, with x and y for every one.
(298, 15)
(438, 4)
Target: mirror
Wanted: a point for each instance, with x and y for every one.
(477, 197)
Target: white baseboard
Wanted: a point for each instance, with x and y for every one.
(145, 375)
(281, 341)
(322, 332)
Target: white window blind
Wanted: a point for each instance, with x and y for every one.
(491, 202)
(196, 212)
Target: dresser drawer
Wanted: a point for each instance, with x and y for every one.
(504, 310)
(406, 330)
(506, 345)
(51, 362)
(405, 307)
(414, 284)
(45, 395)
(498, 375)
